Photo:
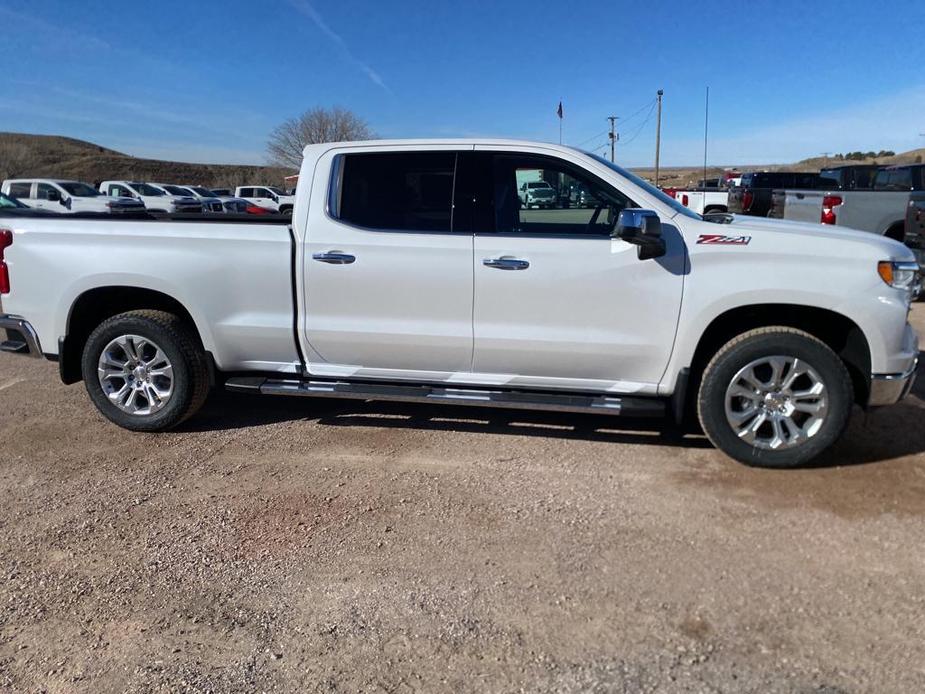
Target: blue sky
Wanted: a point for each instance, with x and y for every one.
(206, 80)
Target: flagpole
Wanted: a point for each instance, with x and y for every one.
(560, 120)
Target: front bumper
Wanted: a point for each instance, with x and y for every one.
(888, 389)
(21, 337)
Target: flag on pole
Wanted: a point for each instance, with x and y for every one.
(559, 110)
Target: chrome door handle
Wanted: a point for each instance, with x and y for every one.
(334, 258)
(506, 263)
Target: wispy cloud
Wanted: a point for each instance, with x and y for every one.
(304, 7)
(60, 37)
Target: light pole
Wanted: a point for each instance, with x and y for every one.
(658, 134)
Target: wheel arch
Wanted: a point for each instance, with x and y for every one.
(836, 330)
(95, 305)
(896, 231)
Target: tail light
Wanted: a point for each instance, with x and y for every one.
(671, 191)
(829, 203)
(6, 239)
(747, 197)
(684, 200)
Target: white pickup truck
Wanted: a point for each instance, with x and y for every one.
(702, 200)
(268, 197)
(68, 197)
(410, 271)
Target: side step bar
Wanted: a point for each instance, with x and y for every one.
(513, 399)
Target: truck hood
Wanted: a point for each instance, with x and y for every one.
(801, 236)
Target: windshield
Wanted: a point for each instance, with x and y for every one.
(80, 190)
(145, 189)
(539, 184)
(177, 190)
(203, 192)
(276, 190)
(6, 202)
(648, 187)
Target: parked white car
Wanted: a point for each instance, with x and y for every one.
(153, 197)
(67, 197)
(268, 197)
(398, 279)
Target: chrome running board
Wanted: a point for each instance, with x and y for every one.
(480, 397)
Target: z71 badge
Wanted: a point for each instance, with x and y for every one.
(724, 240)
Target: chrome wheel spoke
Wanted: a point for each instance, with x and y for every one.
(748, 433)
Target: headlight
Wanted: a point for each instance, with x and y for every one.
(901, 274)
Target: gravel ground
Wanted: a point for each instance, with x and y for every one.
(298, 546)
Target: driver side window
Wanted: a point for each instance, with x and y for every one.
(543, 195)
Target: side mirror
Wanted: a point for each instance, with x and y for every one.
(643, 229)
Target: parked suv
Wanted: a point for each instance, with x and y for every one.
(537, 194)
(67, 197)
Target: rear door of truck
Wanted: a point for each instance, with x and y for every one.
(387, 277)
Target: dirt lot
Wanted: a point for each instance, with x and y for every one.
(299, 546)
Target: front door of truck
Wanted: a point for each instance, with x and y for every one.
(388, 278)
(558, 302)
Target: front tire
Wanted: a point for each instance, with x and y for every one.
(145, 370)
(774, 397)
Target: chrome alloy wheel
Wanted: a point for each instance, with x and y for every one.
(777, 402)
(135, 375)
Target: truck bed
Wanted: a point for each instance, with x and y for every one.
(234, 275)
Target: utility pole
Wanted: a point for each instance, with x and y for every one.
(613, 135)
(658, 134)
(825, 158)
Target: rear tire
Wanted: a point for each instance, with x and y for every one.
(145, 370)
(774, 397)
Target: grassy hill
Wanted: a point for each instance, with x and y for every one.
(64, 157)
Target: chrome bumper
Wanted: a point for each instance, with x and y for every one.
(21, 337)
(888, 389)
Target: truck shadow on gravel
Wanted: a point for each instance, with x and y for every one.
(225, 411)
(881, 435)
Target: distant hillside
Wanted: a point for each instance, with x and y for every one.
(64, 157)
(915, 156)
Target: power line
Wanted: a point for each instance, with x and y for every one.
(638, 130)
(593, 137)
(628, 118)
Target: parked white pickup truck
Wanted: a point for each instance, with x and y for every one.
(268, 197)
(67, 197)
(154, 198)
(702, 200)
(411, 271)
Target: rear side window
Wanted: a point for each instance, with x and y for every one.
(20, 190)
(894, 179)
(247, 192)
(399, 191)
